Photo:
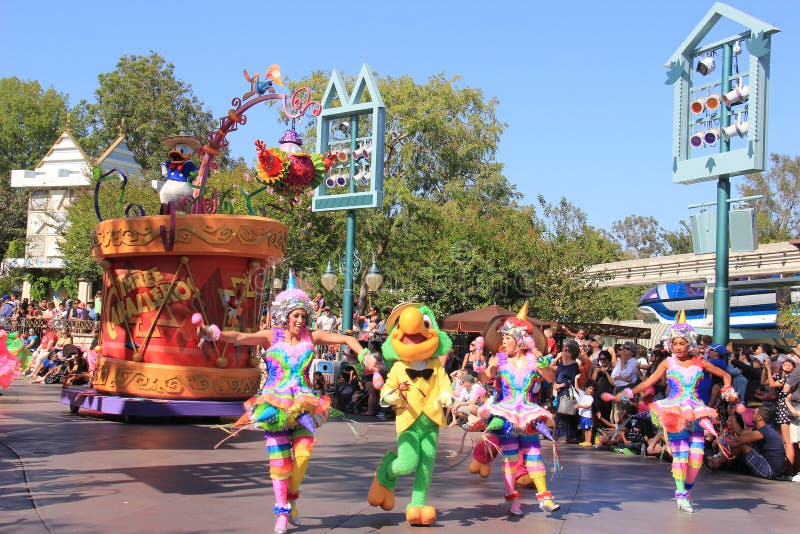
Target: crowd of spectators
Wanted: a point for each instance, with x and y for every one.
(46, 331)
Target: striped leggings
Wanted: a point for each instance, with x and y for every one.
(528, 445)
(687, 448)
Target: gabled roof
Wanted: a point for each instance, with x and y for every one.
(66, 133)
(717, 11)
(120, 138)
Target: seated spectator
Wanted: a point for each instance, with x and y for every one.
(469, 396)
(48, 342)
(342, 392)
(318, 384)
(613, 436)
(633, 438)
(32, 340)
(51, 366)
(761, 449)
(78, 373)
(657, 446)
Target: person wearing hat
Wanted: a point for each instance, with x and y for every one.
(682, 415)
(751, 368)
(286, 406)
(781, 415)
(178, 170)
(514, 419)
(468, 395)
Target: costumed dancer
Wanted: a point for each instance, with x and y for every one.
(286, 406)
(514, 419)
(682, 415)
(418, 386)
(10, 362)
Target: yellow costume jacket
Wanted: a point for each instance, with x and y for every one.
(421, 396)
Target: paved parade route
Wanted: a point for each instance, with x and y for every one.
(86, 474)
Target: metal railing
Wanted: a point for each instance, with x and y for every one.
(40, 325)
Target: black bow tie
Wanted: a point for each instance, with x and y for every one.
(425, 373)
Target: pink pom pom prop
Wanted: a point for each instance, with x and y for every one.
(197, 319)
(649, 392)
(377, 380)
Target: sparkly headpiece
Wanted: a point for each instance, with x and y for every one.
(479, 343)
(291, 299)
(683, 330)
(518, 327)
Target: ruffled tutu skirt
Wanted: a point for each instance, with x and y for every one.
(677, 415)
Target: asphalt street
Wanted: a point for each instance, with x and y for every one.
(89, 473)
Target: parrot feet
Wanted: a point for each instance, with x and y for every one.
(480, 468)
(381, 492)
(420, 515)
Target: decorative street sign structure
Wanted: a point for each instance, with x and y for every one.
(352, 138)
(720, 120)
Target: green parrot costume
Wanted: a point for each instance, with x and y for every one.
(419, 388)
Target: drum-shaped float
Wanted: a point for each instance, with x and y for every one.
(216, 266)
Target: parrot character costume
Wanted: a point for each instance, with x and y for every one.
(418, 386)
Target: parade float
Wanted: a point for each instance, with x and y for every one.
(195, 257)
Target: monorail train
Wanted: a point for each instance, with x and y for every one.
(750, 308)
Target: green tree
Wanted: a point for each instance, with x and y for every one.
(13, 214)
(144, 92)
(640, 235)
(680, 240)
(778, 216)
(566, 247)
(31, 118)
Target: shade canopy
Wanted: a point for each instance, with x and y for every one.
(478, 320)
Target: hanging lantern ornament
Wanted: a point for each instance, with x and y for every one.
(706, 65)
(288, 169)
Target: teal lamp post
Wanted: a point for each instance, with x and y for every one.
(352, 136)
(720, 121)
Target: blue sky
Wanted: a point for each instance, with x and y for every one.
(580, 84)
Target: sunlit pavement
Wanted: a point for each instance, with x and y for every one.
(64, 473)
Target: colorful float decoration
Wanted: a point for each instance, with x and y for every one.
(159, 270)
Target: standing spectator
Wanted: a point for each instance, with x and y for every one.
(552, 346)
(580, 335)
(566, 367)
(584, 405)
(601, 378)
(752, 371)
(318, 302)
(9, 306)
(90, 312)
(626, 371)
(595, 346)
(326, 321)
(781, 415)
(476, 356)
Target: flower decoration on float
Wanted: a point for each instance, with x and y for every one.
(287, 169)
